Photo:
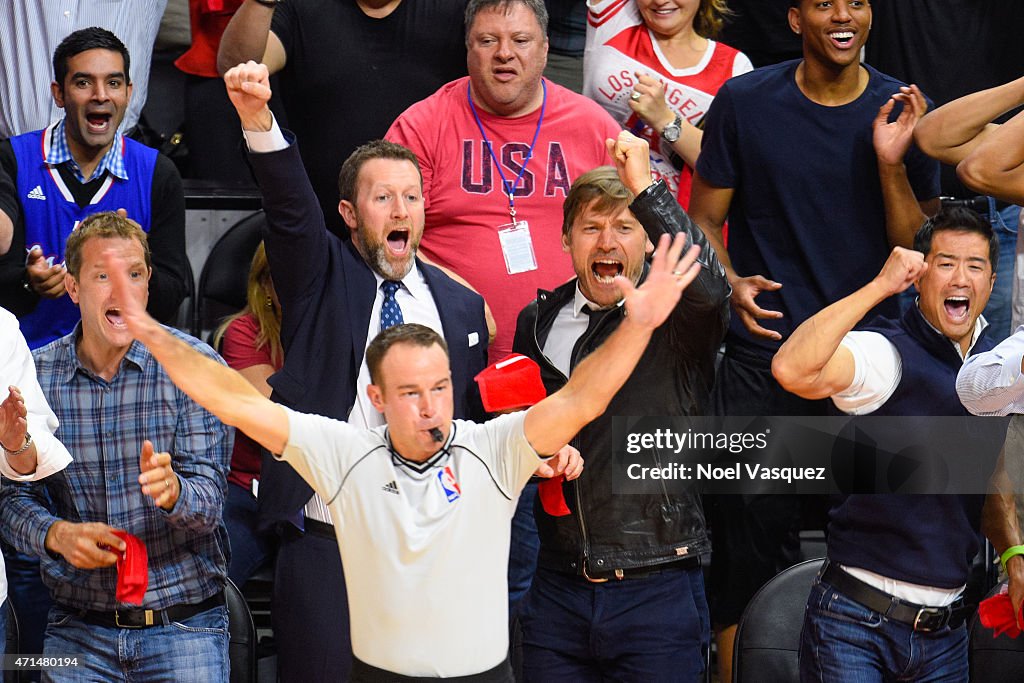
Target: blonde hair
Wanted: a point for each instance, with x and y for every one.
(711, 17)
(105, 224)
(260, 305)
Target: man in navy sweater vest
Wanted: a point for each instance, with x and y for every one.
(885, 603)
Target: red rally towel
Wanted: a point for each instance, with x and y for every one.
(996, 613)
(132, 570)
(551, 497)
(511, 383)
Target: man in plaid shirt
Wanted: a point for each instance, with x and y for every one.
(148, 461)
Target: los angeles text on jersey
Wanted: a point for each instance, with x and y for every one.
(734, 472)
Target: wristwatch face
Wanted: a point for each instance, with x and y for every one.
(671, 131)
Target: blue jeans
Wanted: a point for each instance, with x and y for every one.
(195, 649)
(250, 547)
(845, 642)
(653, 629)
(525, 544)
(998, 312)
(3, 628)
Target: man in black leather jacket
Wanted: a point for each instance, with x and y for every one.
(618, 591)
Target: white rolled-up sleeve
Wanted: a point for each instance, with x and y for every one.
(18, 369)
(878, 369)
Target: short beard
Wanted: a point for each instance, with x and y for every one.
(375, 257)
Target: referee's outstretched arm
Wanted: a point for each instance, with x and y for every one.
(216, 387)
(551, 423)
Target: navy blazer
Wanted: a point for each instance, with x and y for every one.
(326, 292)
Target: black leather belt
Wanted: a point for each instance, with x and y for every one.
(144, 618)
(315, 526)
(639, 572)
(919, 617)
(979, 203)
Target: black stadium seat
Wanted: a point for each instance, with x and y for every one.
(242, 645)
(768, 636)
(222, 284)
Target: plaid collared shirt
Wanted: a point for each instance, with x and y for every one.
(59, 153)
(103, 424)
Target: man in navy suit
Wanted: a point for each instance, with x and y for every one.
(335, 297)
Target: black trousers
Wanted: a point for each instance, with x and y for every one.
(310, 610)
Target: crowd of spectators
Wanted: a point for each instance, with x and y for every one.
(499, 172)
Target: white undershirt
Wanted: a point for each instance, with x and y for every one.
(570, 323)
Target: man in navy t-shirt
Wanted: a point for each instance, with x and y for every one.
(818, 185)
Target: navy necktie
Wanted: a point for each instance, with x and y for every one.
(390, 312)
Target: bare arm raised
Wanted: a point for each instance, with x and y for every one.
(248, 37)
(989, 157)
(219, 389)
(904, 214)
(812, 363)
(549, 425)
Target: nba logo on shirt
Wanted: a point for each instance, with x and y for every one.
(451, 487)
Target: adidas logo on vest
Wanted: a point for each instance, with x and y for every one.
(36, 193)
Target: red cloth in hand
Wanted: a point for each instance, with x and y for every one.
(132, 570)
(996, 613)
(551, 497)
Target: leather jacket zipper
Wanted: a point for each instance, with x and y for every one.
(584, 537)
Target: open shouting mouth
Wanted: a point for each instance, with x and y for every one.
(605, 270)
(957, 308)
(114, 317)
(398, 241)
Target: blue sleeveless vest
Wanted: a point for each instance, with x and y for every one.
(51, 214)
(923, 539)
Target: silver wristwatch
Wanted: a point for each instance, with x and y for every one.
(670, 133)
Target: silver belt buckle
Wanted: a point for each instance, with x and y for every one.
(928, 613)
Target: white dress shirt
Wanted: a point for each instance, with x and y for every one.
(570, 323)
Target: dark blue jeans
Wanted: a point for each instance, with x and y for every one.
(845, 642)
(999, 309)
(250, 548)
(647, 629)
(522, 553)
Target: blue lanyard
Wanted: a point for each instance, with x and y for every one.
(510, 188)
